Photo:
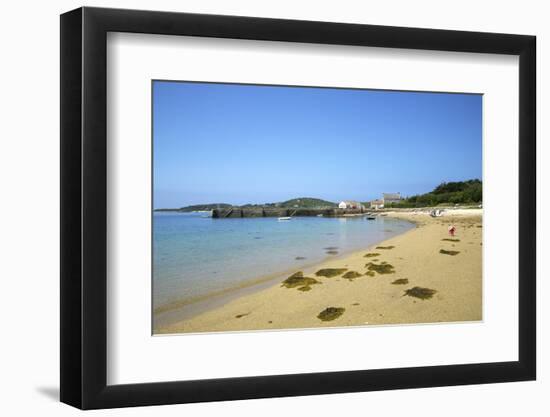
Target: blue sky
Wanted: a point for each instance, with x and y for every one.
(229, 143)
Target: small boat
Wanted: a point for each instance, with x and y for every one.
(371, 218)
(284, 218)
(436, 213)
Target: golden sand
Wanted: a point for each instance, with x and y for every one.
(421, 276)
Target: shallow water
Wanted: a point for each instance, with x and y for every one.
(194, 255)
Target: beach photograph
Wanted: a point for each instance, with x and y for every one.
(303, 207)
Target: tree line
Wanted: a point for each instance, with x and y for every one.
(446, 193)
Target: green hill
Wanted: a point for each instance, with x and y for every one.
(459, 192)
(306, 202)
(196, 207)
(302, 202)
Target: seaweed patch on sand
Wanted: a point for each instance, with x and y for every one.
(449, 252)
(331, 313)
(419, 292)
(351, 275)
(297, 280)
(372, 255)
(385, 247)
(450, 240)
(332, 252)
(330, 272)
(238, 316)
(400, 281)
(370, 273)
(383, 268)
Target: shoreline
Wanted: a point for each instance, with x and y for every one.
(188, 308)
(267, 305)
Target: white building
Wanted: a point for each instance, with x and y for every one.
(377, 204)
(349, 204)
(389, 198)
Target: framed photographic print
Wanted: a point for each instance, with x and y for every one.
(258, 207)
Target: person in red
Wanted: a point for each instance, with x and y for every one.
(452, 230)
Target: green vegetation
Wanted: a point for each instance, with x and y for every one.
(447, 193)
(383, 268)
(449, 252)
(331, 313)
(197, 207)
(419, 292)
(330, 272)
(302, 202)
(306, 202)
(351, 275)
(298, 280)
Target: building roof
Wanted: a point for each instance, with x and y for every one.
(351, 202)
(391, 196)
(377, 202)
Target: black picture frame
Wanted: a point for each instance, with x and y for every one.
(84, 207)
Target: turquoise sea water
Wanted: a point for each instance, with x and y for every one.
(194, 255)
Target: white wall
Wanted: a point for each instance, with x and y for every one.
(29, 211)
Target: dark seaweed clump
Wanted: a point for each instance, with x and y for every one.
(419, 292)
(298, 280)
(371, 255)
(332, 252)
(385, 247)
(238, 316)
(351, 275)
(331, 313)
(400, 281)
(451, 240)
(299, 258)
(331, 248)
(449, 252)
(330, 272)
(383, 268)
(370, 273)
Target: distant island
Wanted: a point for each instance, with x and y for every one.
(445, 194)
(302, 202)
(197, 207)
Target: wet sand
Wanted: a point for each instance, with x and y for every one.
(409, 281)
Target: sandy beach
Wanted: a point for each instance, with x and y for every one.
(421, 276)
